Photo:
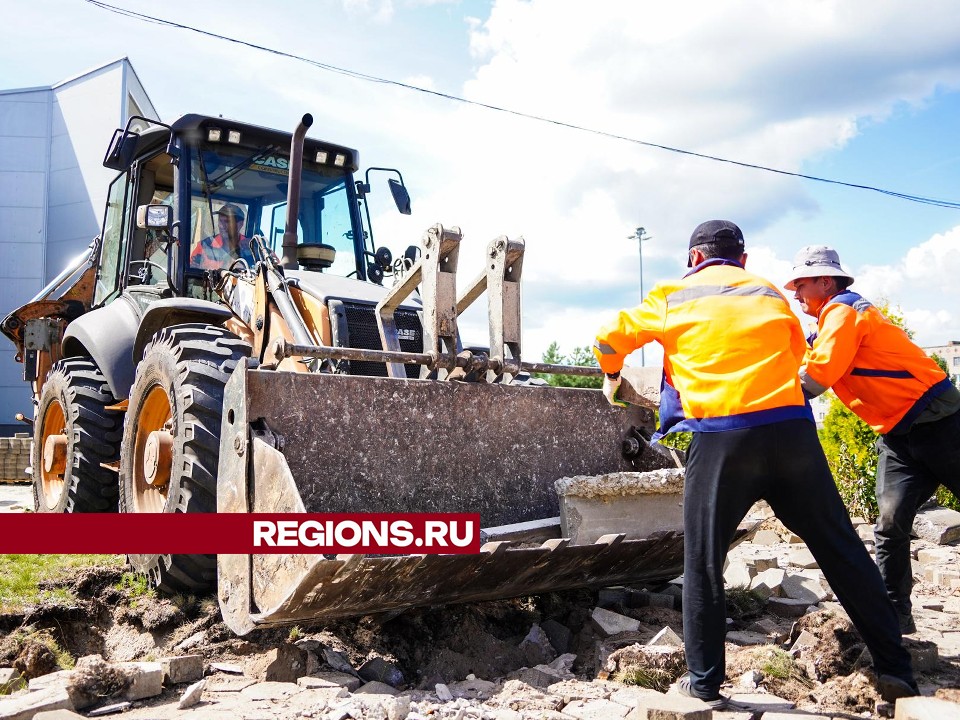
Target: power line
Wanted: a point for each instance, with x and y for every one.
(529, 116)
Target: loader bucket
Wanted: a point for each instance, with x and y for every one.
(300, 442)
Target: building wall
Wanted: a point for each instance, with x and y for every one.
(949, 352)
(53, 187)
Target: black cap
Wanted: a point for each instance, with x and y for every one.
(723, 232)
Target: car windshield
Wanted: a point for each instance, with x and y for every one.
(237, 193)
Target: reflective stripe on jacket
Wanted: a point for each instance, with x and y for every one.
(731, 345)
(871, 364)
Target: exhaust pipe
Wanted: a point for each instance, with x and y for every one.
(289, 247)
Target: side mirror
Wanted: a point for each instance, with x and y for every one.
(120, 154)
(400, 196)
(155, 216)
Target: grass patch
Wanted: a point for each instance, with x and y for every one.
(744, 603)
(134, 585)
(780, 664)
(658, 679)
(20, 637)
(21, 577)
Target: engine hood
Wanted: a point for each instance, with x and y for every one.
(326, 287)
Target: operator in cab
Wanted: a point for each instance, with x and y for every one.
(228, 245)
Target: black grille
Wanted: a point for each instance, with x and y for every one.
(362, 325)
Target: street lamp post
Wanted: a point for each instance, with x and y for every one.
(640, 234)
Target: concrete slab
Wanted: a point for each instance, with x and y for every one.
(636, 504)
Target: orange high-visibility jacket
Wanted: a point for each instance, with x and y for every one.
(732, 349)
(871, 364)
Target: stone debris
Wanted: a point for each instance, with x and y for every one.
(191, 696)
(182, 669)
(632, 635)
(938, 525)
(926, 708)
(382, 671)
(112, 709)
(611, 623)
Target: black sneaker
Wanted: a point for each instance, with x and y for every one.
(685, 688)
(907, 625)
(891, 688)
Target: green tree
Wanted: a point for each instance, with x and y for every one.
(579, 356)
(851, 448)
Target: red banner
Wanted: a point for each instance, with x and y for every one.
(241, 533)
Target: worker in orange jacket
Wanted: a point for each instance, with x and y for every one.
(893, 386)
(732, 351)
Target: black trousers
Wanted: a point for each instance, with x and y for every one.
(782, 463)
(910, 469)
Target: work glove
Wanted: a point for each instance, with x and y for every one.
(611, 385)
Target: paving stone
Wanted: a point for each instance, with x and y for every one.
(744, 637)
(787, 607)
(938, 525)
(671, 706)
(738, 715)
(559, 635)
(536, 647)
(11, 680)
(794, 716)
(794, 539)
(764, 562)
(766, 537)
(936, 555)
(666, 637)
(329, 678)
(926, 708)
(801, 557)
(772, 579)
(762, 702)
(57, 715)
(631, 696)
(798, 587)
(597, 709)
(111, 709)
(337, 661)
(770, 628)
(228, 668)
(611, 623)
(865, 532)
(24, 707)
(54, 679)
(182, 669)
(146, 680)
(738, 574)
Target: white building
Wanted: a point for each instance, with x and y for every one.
(53, 188)
(949, 352)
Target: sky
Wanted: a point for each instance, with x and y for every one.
(862, 91)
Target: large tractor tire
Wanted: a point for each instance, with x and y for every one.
(171, 440)
(74, 433)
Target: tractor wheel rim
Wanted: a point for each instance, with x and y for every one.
(153, 452)
(53, 437)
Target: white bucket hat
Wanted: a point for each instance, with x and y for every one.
(816, 261)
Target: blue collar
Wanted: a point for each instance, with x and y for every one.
(711, 262)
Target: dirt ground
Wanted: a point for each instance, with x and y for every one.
(817, 662)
